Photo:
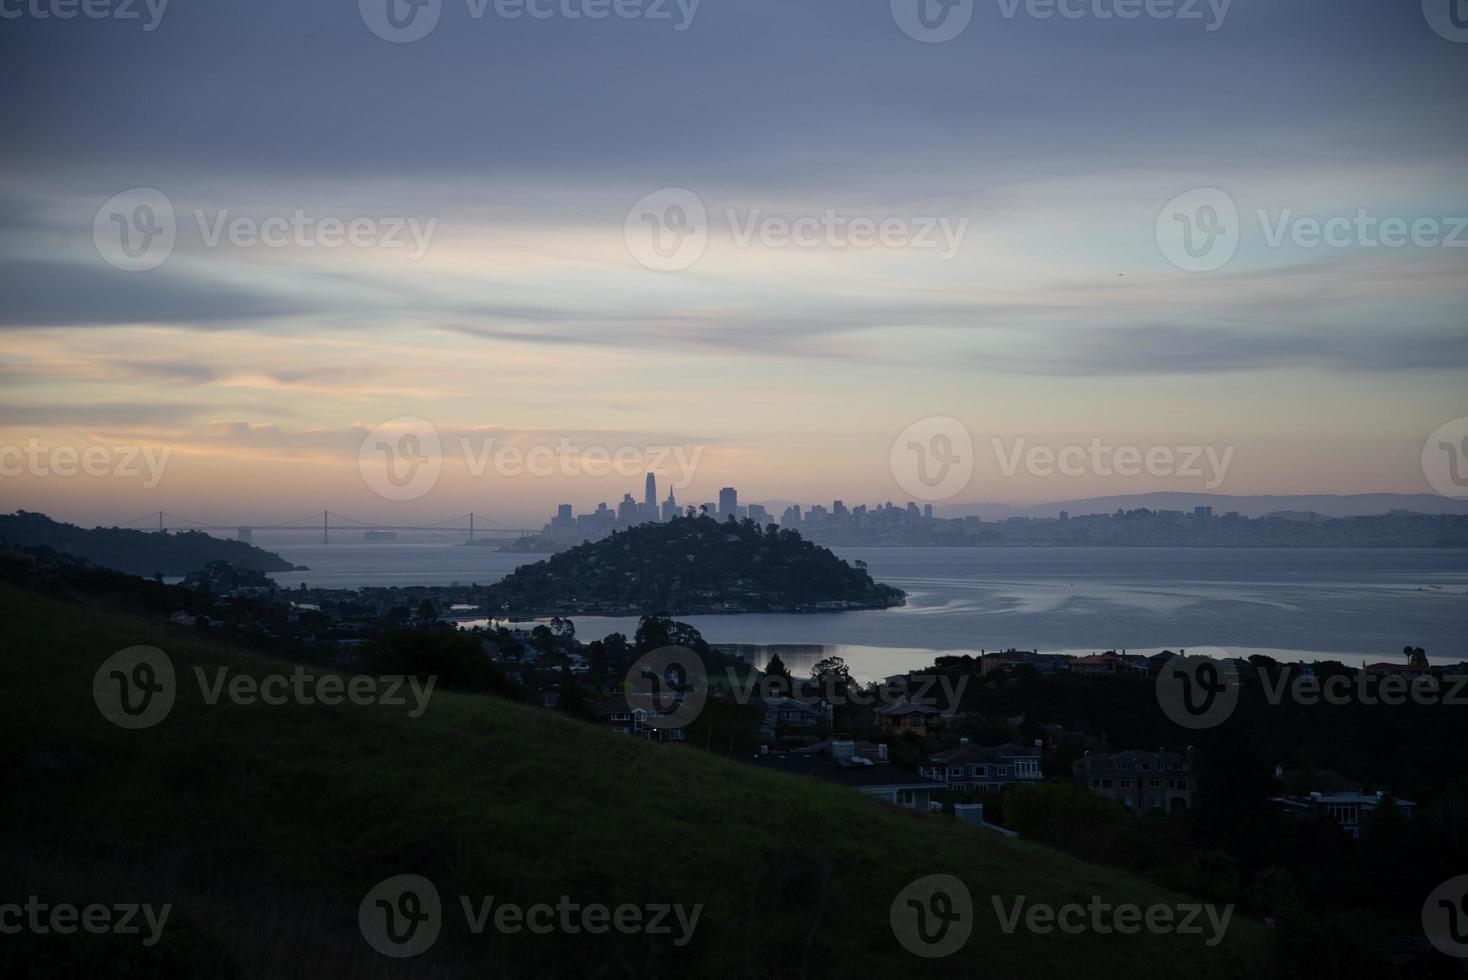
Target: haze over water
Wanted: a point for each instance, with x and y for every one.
(1357, 605)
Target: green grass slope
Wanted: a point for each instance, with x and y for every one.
(264, 826)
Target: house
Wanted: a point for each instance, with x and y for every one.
(1410, 671)
(1140, 781)
(1043, 663)
(847, 767)
(783, 715)
(1158, 661)
(619, 717)
(1351, 810)
(1112, 662)
(895, 719)
(980, 769)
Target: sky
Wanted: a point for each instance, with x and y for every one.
(808, 248)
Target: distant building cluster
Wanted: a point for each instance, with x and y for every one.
(567, 526)
(911, 524)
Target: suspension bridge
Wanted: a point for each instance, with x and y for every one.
(327, 521)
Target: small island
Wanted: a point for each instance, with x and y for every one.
(691, 566)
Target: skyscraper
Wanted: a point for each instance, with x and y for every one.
(650, 494)
(728, 502)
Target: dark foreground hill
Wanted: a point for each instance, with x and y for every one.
(135, 552)
(691, 565)
(265, 826)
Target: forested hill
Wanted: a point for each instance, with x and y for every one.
(692, 565)
(135, 552)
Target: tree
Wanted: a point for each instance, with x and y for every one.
(426, 610)
(778, 673)
(833, 667)
(571, 700)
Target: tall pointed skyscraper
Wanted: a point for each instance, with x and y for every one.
(650, 496)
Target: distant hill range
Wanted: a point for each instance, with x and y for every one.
(687, 566)
(1293, 507)
(136, 552)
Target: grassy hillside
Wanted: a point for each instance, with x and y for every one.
(265, 826)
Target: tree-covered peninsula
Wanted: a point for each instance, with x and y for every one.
(689, 566)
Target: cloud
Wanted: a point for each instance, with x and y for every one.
(41, 293)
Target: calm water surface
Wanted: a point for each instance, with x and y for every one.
(1297, 603)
